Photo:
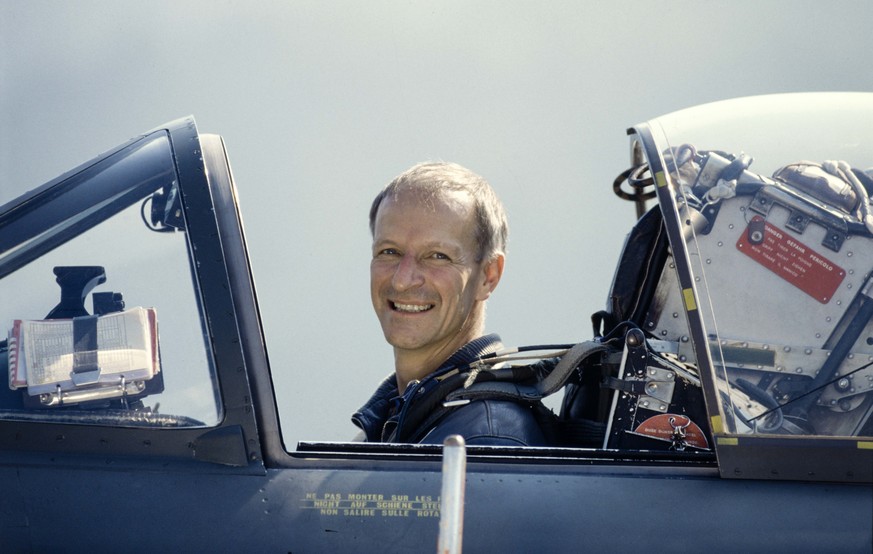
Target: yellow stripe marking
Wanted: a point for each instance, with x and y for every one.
(690, 304)
(715, 425)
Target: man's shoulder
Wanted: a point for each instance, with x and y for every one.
(490, 422)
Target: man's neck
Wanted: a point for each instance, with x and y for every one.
(412, 366)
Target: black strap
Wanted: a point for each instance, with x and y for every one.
(424, 407)
(85, 369)
(633, 387)
(542, 388)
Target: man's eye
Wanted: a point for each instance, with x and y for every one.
(387, 252)
(439, 256)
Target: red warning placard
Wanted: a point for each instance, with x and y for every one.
(673, 427)
(792, 260)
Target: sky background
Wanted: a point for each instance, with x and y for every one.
(322, 103)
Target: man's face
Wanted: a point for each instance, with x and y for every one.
(425, 283)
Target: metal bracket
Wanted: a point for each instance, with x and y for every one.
(834, 239)
(797, 221)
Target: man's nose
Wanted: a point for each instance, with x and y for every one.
(407, 274)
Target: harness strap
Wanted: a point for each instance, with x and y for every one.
(633, 387)
(546, 386)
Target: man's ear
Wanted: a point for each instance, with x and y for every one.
(492, 271)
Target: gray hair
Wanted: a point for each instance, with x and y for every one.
(434, 179)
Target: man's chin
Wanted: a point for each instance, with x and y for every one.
(400, 342)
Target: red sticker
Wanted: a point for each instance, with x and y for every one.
(670, 426)
(792, 260)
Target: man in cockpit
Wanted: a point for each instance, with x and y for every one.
(439, 239)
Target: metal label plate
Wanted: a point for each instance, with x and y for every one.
(792, 260)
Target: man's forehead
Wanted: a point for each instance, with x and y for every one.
(455, 228)
(434, 199)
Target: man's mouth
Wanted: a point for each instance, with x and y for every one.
(410, 308)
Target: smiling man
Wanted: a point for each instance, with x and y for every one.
(439, 240)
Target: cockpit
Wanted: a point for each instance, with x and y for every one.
(738, 321)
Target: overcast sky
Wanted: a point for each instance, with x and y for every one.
(322, 103)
